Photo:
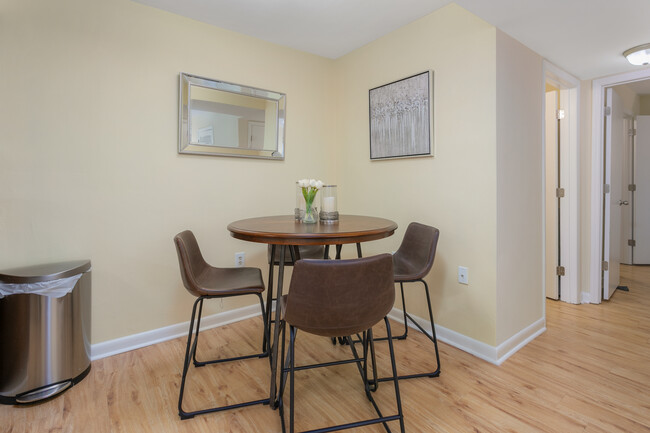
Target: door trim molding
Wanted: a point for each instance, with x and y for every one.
(569, 224)
(597, 149)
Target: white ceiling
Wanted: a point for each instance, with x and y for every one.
(584, 37)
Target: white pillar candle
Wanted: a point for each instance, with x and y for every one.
(329, 204)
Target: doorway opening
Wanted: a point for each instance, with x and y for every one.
(617, 203)
(561, 197)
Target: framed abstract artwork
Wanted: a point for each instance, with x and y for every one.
(400, 118)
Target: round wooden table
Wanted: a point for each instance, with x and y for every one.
(285, 231)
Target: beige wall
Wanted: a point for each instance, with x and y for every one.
(454, 191)
(519, 187)
(629, 99)
(88, 160)
(89, 165)
(644, 105)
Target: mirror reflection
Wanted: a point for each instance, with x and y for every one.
(219, 118)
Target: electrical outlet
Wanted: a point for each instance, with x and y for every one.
(240, 259)
(463, 275)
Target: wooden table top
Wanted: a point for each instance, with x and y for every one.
(285, 230)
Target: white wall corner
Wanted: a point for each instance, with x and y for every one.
(136, 341)
(509, 347)
(492, 354)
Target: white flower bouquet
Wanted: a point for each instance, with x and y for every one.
(310, 188)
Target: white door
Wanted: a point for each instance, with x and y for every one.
(551, 206)
(642, 193)
(614, 142)
(255, 135)
(627, 180)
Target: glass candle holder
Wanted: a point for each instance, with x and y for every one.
(329, 213)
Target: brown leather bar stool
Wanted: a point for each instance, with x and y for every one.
(207, 282)
(411, 263)
(334, 298)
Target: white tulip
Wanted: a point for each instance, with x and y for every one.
(302, 183)
(319, 184)
(312, 182)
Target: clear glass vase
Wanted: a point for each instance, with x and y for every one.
(311, 213)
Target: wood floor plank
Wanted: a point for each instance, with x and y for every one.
(588, 373)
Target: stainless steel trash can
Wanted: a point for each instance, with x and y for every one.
(44, 339)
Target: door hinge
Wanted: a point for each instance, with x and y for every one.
(559, 114)
(560, 271)
(559, 192)
(631, 243)
(631, 132)
(605, 266)
(606, 188)
(608, 111)
(631, 187)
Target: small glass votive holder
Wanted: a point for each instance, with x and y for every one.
(299, 210)
(329, 213)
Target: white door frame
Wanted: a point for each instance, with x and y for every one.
(597, 181)
(627, 212)
(570, 156)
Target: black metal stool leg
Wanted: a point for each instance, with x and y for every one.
(432, 337)
(433, 331)
(292, 366)
(190, 355)
(395, 376)
(186, 363)
(406, 325)
(368, 346)
(196, 337)
(283, 376)
(373, 359)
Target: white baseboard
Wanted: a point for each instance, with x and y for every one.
(136, 341)
(509, 347)
(495, 355)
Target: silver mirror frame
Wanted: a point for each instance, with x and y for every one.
(184, 121)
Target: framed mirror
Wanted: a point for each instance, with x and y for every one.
(225, 119)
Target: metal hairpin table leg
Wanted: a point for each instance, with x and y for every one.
(269, 297)
(342, 340)
(276, 333)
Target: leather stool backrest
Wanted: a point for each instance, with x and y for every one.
(190, 261)
(414, 257)
(336, 298)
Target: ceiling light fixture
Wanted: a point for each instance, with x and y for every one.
(638, 56)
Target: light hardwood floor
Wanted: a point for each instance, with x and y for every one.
(589, 372)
